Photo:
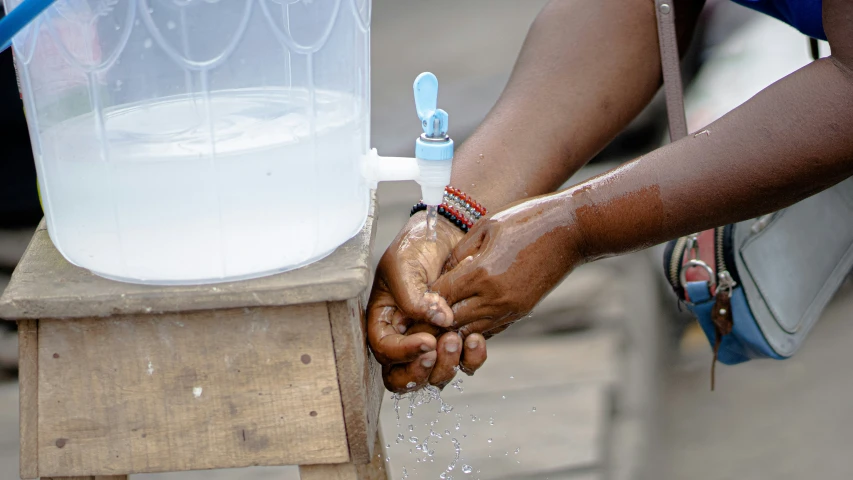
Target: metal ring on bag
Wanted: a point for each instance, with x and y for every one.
(696, 263)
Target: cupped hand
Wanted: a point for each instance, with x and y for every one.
(407, 323)
(506, 264)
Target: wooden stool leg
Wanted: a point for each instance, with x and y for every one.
(375, 470)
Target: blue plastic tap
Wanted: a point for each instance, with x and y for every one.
(434, 149)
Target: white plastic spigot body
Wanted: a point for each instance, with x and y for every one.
(434, 176)
(433, 160)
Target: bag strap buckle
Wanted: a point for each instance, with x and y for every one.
(696, 263)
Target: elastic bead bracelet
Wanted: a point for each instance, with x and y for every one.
(446, 213)
(458, 208)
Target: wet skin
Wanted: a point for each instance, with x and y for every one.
(577, 83)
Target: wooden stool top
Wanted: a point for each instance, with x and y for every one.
(45, 285)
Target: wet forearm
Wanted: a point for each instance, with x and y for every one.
(790, 141)
(585, 71)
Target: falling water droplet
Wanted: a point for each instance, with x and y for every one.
(467, 469)
(503, 397)
(534, 410)
(432, 216)
(517, 450)
(171, 25)
(489, 440)
(411, 385)
(413, 439)
(491, 421)
(411, 428)
(147, 43)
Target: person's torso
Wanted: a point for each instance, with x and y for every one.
(804, 15)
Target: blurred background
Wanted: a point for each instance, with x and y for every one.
(607, 380)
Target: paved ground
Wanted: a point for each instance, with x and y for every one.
(768, 419)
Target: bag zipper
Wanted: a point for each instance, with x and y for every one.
(675, 262)
(725, 280)
(721, 313)
(719, 233)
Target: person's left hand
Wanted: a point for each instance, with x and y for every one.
(413, 352)
(507, 263)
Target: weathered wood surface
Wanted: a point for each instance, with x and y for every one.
(96, 477)
(375, 470)
(547, 362)
(581, 474)
(28, 397)
(175, 392)
(359, 376)
(45, 285)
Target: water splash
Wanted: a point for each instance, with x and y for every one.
(396, 397)
(424, 451)
(431, 219)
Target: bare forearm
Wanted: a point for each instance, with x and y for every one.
(790, 141)
(586, 70)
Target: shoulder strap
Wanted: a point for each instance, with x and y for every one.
(671, 64)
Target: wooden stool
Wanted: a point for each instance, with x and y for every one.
(117, 379)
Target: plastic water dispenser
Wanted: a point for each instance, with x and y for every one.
(194, 141)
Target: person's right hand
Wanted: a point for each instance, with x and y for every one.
(405, 320)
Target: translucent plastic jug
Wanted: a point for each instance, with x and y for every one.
(192, 141)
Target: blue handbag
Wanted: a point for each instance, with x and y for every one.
(756, 287)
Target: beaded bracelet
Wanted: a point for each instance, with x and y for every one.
(457, 207)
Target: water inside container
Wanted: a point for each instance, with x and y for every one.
(185, 193)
